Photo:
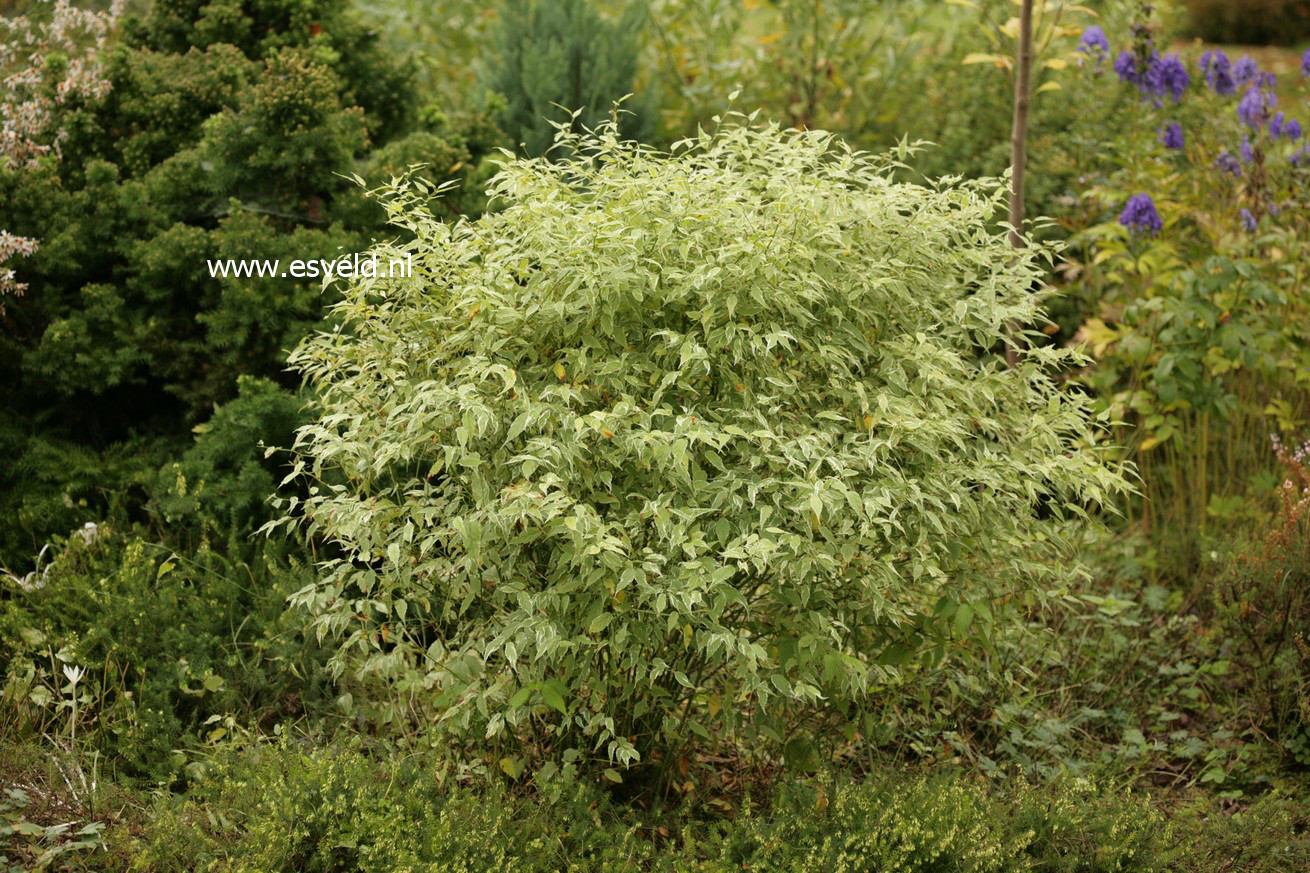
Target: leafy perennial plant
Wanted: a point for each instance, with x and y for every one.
(701, 445)
(1195, 297)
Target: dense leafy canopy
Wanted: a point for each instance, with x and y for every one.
(225, 133)
(671, 443)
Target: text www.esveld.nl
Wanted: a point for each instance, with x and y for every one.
(348, 267)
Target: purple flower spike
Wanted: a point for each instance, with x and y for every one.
(1160, 75)
(1276, 125)
(1172, 136)
(1218, 72)
(1140, 215)
(1248, 220)
(1255, 106)
(1126, 66)
(1229, 164)
(1247, 155)
(1167, 75)
(1305, 63)
(1292, 130)
(1094, 44)
(1245, 69)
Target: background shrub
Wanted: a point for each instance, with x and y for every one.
(1250, 22)
(222, 483)
(555, 57)
(224, 132)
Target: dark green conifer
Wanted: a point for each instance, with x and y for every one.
(227, 134)
(555, 57)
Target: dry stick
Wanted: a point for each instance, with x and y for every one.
(1019, 146)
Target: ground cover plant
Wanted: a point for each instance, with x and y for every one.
(681, 510)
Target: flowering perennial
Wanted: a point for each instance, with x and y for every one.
(1126, 67)
(1172, 137)
(1157, 77)
(1218, 72)
(1245, 69)
(1229, 164)
(1140, 215)
(1256, 106)
(1167, 75)
(1094, 43)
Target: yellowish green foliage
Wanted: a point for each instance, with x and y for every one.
(673, 446)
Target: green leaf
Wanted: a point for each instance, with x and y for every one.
(520, 423)
(895, 654)
(963, 618)
(512, 766)
(552, 692)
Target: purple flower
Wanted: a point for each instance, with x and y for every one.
(1167, 75)
(1305, 63)
(1218, 72)
(1140, 215)
(1281, 125)
(1248, 220)
(1172, 136)
(1126, 66)
(1255, 106)
(1247, 155)
(1094, 43)
(1229, 164)
(1159, 76)
(1245, 69)
(1300, 156)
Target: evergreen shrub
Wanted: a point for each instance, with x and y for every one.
(563, 62)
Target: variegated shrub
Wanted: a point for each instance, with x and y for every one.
(705, 444)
